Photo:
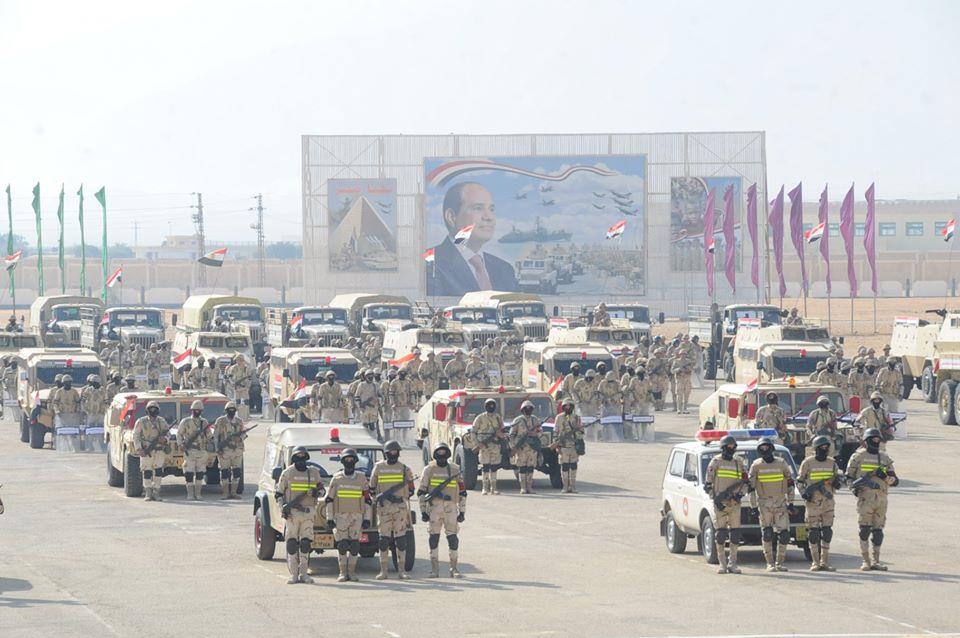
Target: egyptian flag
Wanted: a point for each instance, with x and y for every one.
(116, 277)
(462, 235)
(815, 234)
(428, 256)
(214, 257)
(183, 360)
(753, 385)
(11, 261)
(949, 229)
(298, 397)
(296, 322)
(617, 229)
(402, 360)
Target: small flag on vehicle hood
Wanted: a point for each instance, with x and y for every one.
(11, 261)
(753, 385)
(949, 230)
(296, 322)
(617, 229)
(815, 234)
(298, 396)
(116, 277)
(463, 234)
(428, 256)
(214, 257)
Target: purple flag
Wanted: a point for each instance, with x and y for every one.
(708, 240)
(752, 228)
(825, 240)
(796, 230)
(870, 239)
(775, 220)
(846, 231)
(729, 240)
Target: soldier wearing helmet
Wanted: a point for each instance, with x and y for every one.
(818, 480)
(238, 379)
(443, 505)
(455, 371)
(772, 417)
(636, 403)
(349, 509)
(66, 406)
(569, 444)
(858, 382)
(490, 434)
(600, 316)
(330, 405)
(367, 398)
(726, 481)
(150, 444)
(93, 402)
(611, 405)
(876, 467)
(815, 375)
(772, 497)
(391, 484)
(681, 371)
(130, 383)
(193, 436)
(402, 395)
(525, 444)
(875, 415)
(228, 436)
(429, 373)
(823, 421)
(476, 371)
(830, 375)
(571, 378)
(658, 368)
(510, 359)
(153, 360)
(297, 491)
(586, 396)
(889, 382)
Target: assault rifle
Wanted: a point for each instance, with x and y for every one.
(293, 504)
(388, 496)
(230, 437)
(186, 444)
(732, 492)
(866, 480)
(435, 492)
(813, 488)
(155, 442)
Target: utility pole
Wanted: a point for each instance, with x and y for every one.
(201, 239)
(136, 236)
(261, 255)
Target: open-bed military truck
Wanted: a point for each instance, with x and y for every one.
(717, 329)
(519, 314)
(126, 325)
(447, 417)
(36, 369)
(56, 318)
(235, 314)
(325, 443)
(123, 465)
(299, 327)
(373, 314)
(294, 370)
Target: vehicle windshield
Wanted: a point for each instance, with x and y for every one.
(441, 338)
(767, 316)
(611, 336)
(138, 318)
(66, 313)
(796, 365)
(522, 310)
(327, 459)
(344, 370)
(562, 363)
(508, 407)
(800, 404)
(239, 313)
(533, 264)
(636, 314)
(389, 312)
(237, 343)
(331, 316)
(748, 456)
(210, 341)
(18, 341)
(474, 315)
(47, 371)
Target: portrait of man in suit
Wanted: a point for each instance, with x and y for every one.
(466, 267)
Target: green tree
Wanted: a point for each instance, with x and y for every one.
(120, 250)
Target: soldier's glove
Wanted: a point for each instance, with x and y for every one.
(285, 511)
(836, 483)
(424, 517)
(806, 496)
(791, 508)
(330, 523)
(881, 472)
(461, 516)
(365, 524)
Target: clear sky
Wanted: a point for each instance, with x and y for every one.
(157, 100)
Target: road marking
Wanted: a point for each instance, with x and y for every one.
(883, 618)
(392, 634)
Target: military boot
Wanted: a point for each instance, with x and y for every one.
(352, 560)
(530, 482)
(865, 553)
(825, 558)
(493, 482)
(342, 563)
(523, 483)
(147, 490)
(722, 557)
(486, 484)
(877, 565)
(156, 488)
(814, 557)
(304, 568)
(191, 490)
(384, 564)
(781, 557)
(225, 489)
(293, 566)
(768, 556)
(197, 491)
(401, 561)
(434, 564)
(454, 557)
(235, 489)
(732, 564)
(573, 481)
(565, 477)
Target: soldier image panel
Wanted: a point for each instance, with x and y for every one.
(534, 224)
(362, 224)
(688, 200)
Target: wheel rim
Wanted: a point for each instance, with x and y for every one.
(708, 540)
(944, 403)
(257, 532)
(671, 533)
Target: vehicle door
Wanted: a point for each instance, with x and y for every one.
(678, 489)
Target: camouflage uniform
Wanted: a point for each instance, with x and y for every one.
(455, 371)
(305, 487)
(430, 372)
(658, 368)
(476, 372)
(823, 421)
(349, 507)
(489, 432)
(524, 451)
(444, 512)
(330, 402)
(228, 443)
(367, 397)
(393, 510)
(196, 431)
(820, 507)
(889, 382)
(239, 377)
(586, 396)
(567, 431)
(872, 500)
(681, 370)
(772, 494)
(721, 475)
(772, 416)
(858, 383)
(145, 431)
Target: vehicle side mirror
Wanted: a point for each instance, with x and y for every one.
(286, 373)
(690, 477)
(277, 471)
(733, 408)
(540, 368)
(440, 411)
(760, 365)
(854, 404)
(841, 339)
(173, 319)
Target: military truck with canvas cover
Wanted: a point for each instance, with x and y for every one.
(521, 314)
(293, 372)
(126, 325)
(374, 314)
(202, 312)
(56, 318)
(297, 328)
(717, 330)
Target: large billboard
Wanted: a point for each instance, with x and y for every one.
(363, 224)
(539, 224)
(688, 201)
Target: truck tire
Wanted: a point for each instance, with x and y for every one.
(708, 541)
(240, 484)
(556, 476)
(213, 474)
(114, 476)
(264, 538)
(928, 385)
(132, 478)
(805, 546)
(710, 368)
(675, 538)
(410, 557)
(37, 433)
(946, 402)
(24, 428)
(907, 387)
(469, 470)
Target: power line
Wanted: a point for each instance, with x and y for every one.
(261, 254)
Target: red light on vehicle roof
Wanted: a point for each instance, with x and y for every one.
(69, 363)
(168, 390)
(501, 390)
(710, 435)
(327, 360)
(583, 356)
(335, 435)
(803, 352)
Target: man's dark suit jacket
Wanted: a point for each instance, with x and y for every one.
(451, 276)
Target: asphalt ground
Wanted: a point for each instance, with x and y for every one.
(79, 558)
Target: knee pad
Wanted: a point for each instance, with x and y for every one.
(722, 535)
(735, 537)
(434, 541)
(293, 546)
(815, 535)
(237, 472)
(148, 474)
(564, 467)
(573, 466)
(864, 532)
(493, 467)
(878, 537)
(343, 546)
(827, 534)
(784, 537)
(305, 545)
(225, 475)
(401, 543)
(188, 476)
(767, 534)
(384, 543)
(528, 470)
(354, 547)
(453, 541)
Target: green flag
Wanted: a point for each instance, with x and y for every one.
(10, 234)
(63, 280)
(101, 196)
(36, 211)
(83, 248)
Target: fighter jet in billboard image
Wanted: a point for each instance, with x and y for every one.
(599, 206)
(545, 188)
(596, 194)
(548, 202)
(621, 195)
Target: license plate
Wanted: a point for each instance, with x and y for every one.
(324, 541)
(801, 532)
(364, 538)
